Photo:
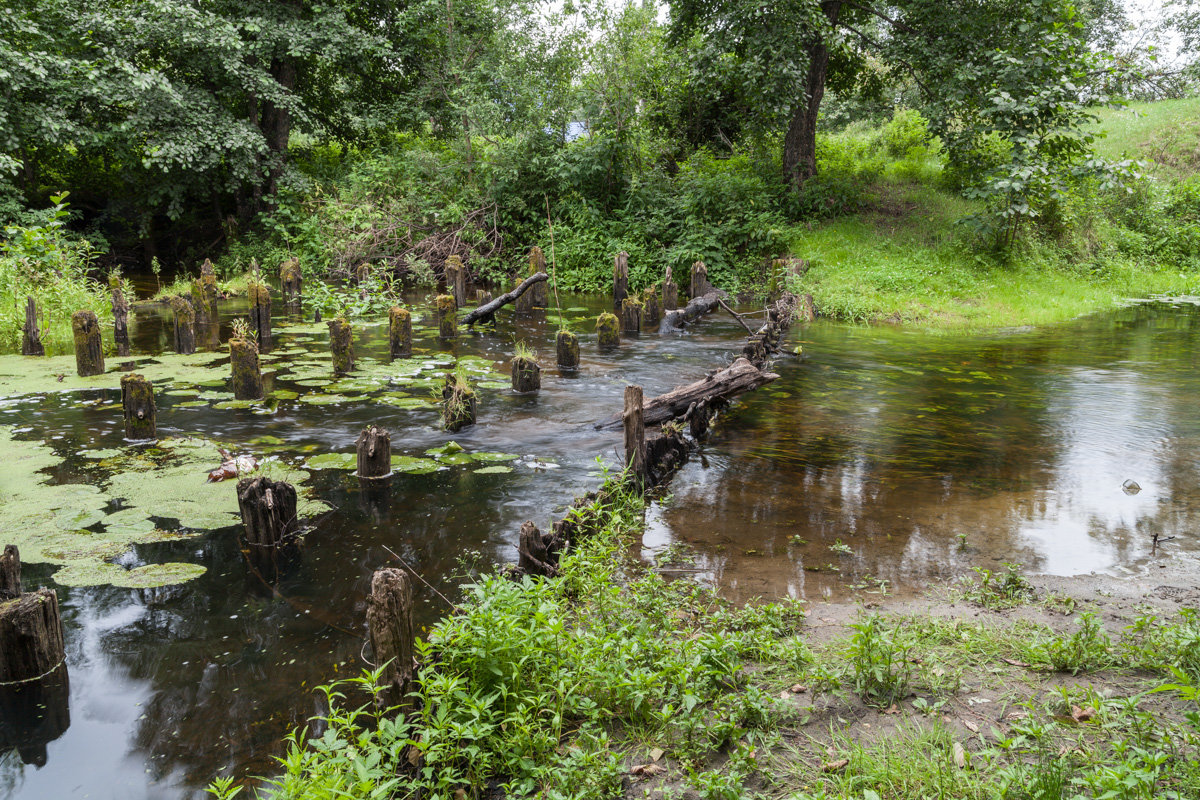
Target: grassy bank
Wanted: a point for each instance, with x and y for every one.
(611, 681)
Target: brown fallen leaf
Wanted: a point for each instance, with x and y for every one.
(648, 770)
(657, 753)
(892, 709)
(1014, 663)
(971, 726)
(798, 688)
(834, 766)
(960, 756)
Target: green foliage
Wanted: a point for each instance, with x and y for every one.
(879, 657)
(1087, 649)
(996, 592)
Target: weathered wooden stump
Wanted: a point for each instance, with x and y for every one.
(260, 314)
(482, 298)
(446, 311)
(635, 434)
(523, 303)
(567, 348)
(341, 345)
(185, 325)
(456, 280)
(33, 714)
(631, 316)
(137, 403)
(120, 308)
(665, 453)
(537, 552)
(374, 448)
(205, 292)
(698, 416)
(291, 281)
(89, 350)
(526, 375)
(362, 272)
(608, 330)
(399, 332)
(31, 639)
(700, 285)
(243, 363)
(807, 309)
(487, 310)
(540, 291)
(670, 292)
(31, 338)
(650, 309)
(620, 279)
(391, 632)
(459, 404)
(268, 511)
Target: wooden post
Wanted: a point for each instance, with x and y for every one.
(700, 284)
(291, 281)
(607, 330)
(635, 434)
(31, 341)
(120, 308)
(620, 279)
(670, 292)
(526, 375)
(482, 298)
(89, 351)
(260, 314)
(390, 628)
(567, 346)
(456, 280)
(268, 511)
(374, 447)
(362, 272)
(523, 303)
(185, 325)
(650, 311)
(540, 291)
(485, 311)
(537, 552)
(31, 638)
(399, 332)
(458, 410)
(205, 292)
(341, 345)
(447, 316)
(137, 402)
(631, 316)
(243, 362)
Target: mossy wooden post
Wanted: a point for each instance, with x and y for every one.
(269, 520)
(631, 316)
(374, 448)
(399, 332)
(608, 330)
(120, 308)
(89, 350)
(362, 272)
(447, 316)
(456, 280)
(670, 292)
(391, 632)
(458, 409)
(482, 298)
(650, 310)
(341, 345)
(291, 281)
(260, 314)
(567, 347)
(31, 339)
(31, 638)
(206, 290)
(526, 375)
(137, 403)
(243, 363)
(635, 434)
(523, 305)
(700, 285)
(184, 320)
(540, 291)
(620, 279)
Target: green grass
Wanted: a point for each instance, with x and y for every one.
(1166, 132)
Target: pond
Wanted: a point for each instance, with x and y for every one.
(882, 460)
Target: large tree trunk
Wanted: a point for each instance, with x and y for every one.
(800, 143)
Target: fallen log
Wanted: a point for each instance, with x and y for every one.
(504, 299)
(741, 376)
(705, 304)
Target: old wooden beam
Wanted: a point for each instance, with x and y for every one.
(504, 299)
(184, 315)
(633, 420)
(526, 375)
(696, 307)
(741, 376)
(10, 573)
(446, 311)
(391, 632)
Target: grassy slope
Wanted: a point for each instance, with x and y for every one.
(903, 258)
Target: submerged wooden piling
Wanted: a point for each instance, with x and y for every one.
(631, 316)
(374, 448)
(399, 332)
(670, 294)
(700, 284)
(567, 349)
(456, 280)
(185, 325)
(243, 363)
(31, 638)
(268, 510)
(137, 404)
(120, 309)
(341, 345)
(31, 338)
(635, 434)
(620, 279)
(608, 330)
(459, 404)
(89, 350)
(260, 314)
(291, 281)
(539, 291)
(526, 375)
(447, 316)
(206, 293)
(391, 632)
(650, 309)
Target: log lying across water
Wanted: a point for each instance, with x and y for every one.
(705, 304)
(486, 311)
(740, 376)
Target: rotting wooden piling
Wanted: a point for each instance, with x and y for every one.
(607, 331)
(456, 279)
(137, 405)
(631, 316)
(567, 350)
(391, 633)
(260, 314)
(670, 291)
(620, 279)
(700, 285)
(31, 338)
(446, 311)
(341, 345)
(10, 573)
(399, 332)
(120, 309)
(540, 291)
(485, 311)
(31, 636)
(184, 325)
(291, 281)
(459, 404)
(374, 448)
(635, 434)
(243, 363)
(537, 552)
(89, 350)
(651, 314)
(207, 294)
(268, 510)
(526, 375)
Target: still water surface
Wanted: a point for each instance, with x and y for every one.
(885, 455)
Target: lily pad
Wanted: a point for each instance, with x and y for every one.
(333, 461)
(414, 465)
(495, 456)
(402, 400)
(147, 577)
(319, 399)
(493, 470)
